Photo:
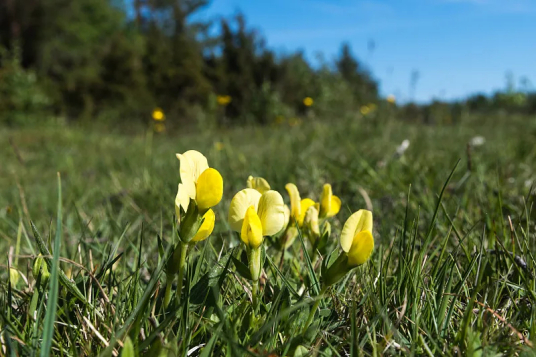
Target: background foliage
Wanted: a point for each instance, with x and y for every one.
(102, 58)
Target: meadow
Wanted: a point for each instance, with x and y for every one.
(452, 272)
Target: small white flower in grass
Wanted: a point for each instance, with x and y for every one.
(401, 149)
(477, 141)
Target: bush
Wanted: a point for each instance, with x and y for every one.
(22, 99)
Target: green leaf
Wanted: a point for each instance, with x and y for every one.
(241, 268)
(199, 292)
(128, 348)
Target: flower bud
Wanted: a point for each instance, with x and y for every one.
(14, 276)
(189, 225)
(326, 229)
(336, 271)
(40, 267)
(258, 183)
(311, 222)
(255, 264)
(289, 237)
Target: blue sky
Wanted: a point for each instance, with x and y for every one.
(459, 47)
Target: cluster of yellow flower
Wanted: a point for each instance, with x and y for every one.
(257, 212)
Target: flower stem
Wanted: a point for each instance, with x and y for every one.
(255, 268)
(167, 295)
(313, 310)
(254, 295)
(182, 270)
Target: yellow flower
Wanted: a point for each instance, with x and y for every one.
(356, 238)
(365, 110)
(298, 207)
(206, 227)
(199, 182)
(330, 204)
(391, 99)
(308, 101)
(159, 127)
(158, 114)
(256, 215)
(258, 183)
(223, 100)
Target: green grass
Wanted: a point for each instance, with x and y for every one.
(453, 271)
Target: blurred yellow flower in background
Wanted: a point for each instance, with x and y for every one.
(159, 127)
(223, 100)
(391, 99)
(365, 110)
(218, 145)
(308, 101)
(158, 114)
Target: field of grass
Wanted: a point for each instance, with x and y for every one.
(452, 273)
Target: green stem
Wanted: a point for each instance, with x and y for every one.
(167, 295)
(254, 295)
(255, 268)
(313, 310)
(182, 270)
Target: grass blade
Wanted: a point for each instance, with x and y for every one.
(53, 286)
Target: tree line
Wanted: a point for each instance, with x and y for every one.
(89, 59)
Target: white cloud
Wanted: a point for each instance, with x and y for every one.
(500, 6)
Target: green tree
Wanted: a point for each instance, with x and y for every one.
(364, 88)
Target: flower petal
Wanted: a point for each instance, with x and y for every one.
(325, 200)
(295, 200)
(304, 206)
(287, 216)
(209, 189)
(361, 249)
(181, 200)
(251, 233)
(271, 211)
(206, 228)
(258, 183)
(193, 163)
(335, 206)
(311, 221)
(357, 222)
(239, 205)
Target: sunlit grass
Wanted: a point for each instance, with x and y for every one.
(452, 271)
